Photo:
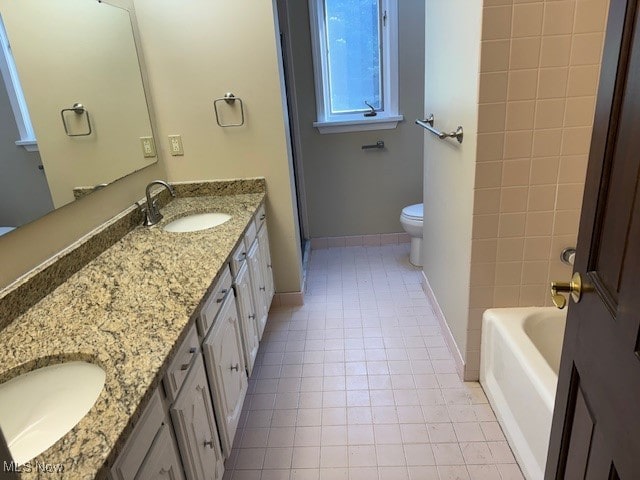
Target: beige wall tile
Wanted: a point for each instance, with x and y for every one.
(488, 174)
(525, 53)
(542, 198)
(586, 49)
(550, 113)
(513, 199)
(527, 19)
(510, 249)
(583, 80)
(555, 51)
(520, 115)
(558, 271)
(491, 117)
(537, 248)
(485, 226)
(486, 200)
(566, 222)
(512, 225)
(570, 196)
(517, 144)
(494, 55)
(483, 274)
(532, 295)
(590, 16)
(576, 141)
(515, 172)
(484, 250)
(506, 296)
(493, 87)
(508, 273)
(552, 82)
(496, 22)
(539, 224)
(480, 297)
(535, 273)
(547, 143)
(523, 84)
(558, 17)
(544, 170)
(490, 146)
(560, 242)
(573, 169)
(579, 112)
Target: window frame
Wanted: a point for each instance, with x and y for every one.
(9, 73)
(388, 116)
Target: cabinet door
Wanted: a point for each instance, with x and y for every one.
(265, 261)
(162, 461)
(195, 427)
(227, 375)
(247, 313)
(258, 287)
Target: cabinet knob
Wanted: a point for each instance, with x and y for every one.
(208, 443)
(235, 367)
(193, 350)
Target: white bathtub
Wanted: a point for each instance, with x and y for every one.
(520, 356)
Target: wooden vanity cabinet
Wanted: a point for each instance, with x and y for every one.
(265, 261)
(195, 427)
(150, 451)
(258, 287)
(247, 313)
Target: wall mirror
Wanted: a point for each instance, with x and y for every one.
(74, 114)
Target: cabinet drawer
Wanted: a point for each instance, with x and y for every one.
(238, 258)
(250, 235)
(213, 303)
(260, 217)
(140, 440)
(179, 367)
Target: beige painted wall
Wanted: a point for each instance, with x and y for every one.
(451, 94)
(24, 194)
(350, 191)
(94, 62)
(196, 54)
(540, 67)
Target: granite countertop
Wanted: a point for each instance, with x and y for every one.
(126, 311)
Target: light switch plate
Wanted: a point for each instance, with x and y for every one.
(148, 147)
(175, 145)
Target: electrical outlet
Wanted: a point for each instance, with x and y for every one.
(148, 147)
(175, 145)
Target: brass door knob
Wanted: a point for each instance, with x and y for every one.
(574, 287)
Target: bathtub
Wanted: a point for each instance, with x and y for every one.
(520, 358)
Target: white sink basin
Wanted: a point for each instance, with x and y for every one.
(196, 222)
(41, 406)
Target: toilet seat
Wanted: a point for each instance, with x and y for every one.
(414, 212)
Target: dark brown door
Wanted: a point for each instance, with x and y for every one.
(596, 423)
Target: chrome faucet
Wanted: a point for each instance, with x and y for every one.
(152, 214)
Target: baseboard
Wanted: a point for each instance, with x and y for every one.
(288, 299)
(375, 240)
(446, 331)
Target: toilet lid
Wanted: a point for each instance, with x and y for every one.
(414, 211)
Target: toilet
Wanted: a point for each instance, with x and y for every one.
(411, 221)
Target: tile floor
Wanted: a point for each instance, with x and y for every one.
(358, 384)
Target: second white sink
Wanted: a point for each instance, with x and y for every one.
(40, 407)
(196, 222)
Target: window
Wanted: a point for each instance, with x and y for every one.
(16, 95)
(355, 56)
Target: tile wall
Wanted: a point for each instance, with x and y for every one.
(540, 64)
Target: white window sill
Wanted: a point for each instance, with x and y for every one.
(28, 145)
(359, 125)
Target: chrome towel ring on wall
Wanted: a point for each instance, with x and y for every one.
(78, 109)
(230, 99)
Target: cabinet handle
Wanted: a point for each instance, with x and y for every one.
(223, 292)
(263, 216)
(252, 316)
(208, 443)
(184, 366)
(264, 289)
(268, 265)
(235, 367)
(193, 350)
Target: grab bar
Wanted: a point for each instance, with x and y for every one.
(427, 124)
(379, 144)
(78, 109)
